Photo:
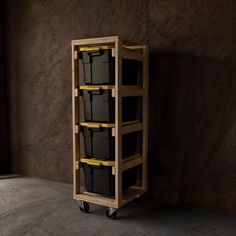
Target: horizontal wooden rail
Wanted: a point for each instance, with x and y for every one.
(92, 41)
(132, 163)
(96, 199)
(131, 54)
(128, 91)
(132, 128)
(131, 194)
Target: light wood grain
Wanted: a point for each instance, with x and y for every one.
(132, 163)
(129, 91)
(131, 194)
(131, 54)
(97, 199)
(130, 51)
(75, 120)
(92, 41)
(118, 122)
(145, 118)
(132, 128)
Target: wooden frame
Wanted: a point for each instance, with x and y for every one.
(127, 50)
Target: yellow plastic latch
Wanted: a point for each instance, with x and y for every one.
(97, 162)
(92, 87)
(91, 162)
(96, 48)
(97, 125)
(92, 125)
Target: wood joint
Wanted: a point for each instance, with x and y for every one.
(113, 93)
(75, 55)
(76, 92)
(76, 165)
(76, 129)
(113, 132)
(113, 52)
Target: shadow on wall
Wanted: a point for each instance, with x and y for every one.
(20, 97)
(192, 130)
(164, 122)
(4, 129)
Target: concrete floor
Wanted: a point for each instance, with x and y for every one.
(30, 206)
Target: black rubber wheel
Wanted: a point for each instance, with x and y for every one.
(112, 216)
(85, 208)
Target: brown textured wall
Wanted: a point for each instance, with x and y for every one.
(192, 89)
(193, 84)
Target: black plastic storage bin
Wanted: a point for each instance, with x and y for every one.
(99, 105)
(99, 178)
(99, 66)
(99, 143)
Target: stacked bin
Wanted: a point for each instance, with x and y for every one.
(99, 119)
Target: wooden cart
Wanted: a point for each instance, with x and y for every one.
(122, 50)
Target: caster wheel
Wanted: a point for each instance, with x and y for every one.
(84, 207)
(111, 214)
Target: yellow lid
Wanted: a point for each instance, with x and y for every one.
(96, 162)
(97, 125)
(99, 162)
(105, 125)
(96, 48)
(98, 87)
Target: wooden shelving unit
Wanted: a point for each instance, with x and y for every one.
(122, 50)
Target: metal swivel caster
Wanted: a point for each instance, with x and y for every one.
(111, 213)
(84, 206)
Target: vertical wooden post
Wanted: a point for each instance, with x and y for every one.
(118, 121)
(145, 118)
(75, 120)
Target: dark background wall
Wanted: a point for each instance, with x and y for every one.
(192, 139)
(4, 141)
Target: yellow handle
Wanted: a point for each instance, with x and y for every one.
(94, 163)
(97, 125)
(92, 125)
(105, 47)
(90, 88)
(96, 87)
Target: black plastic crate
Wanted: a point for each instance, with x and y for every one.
(99, 143)
(99, 66)
(99, 179)
(99, 106)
